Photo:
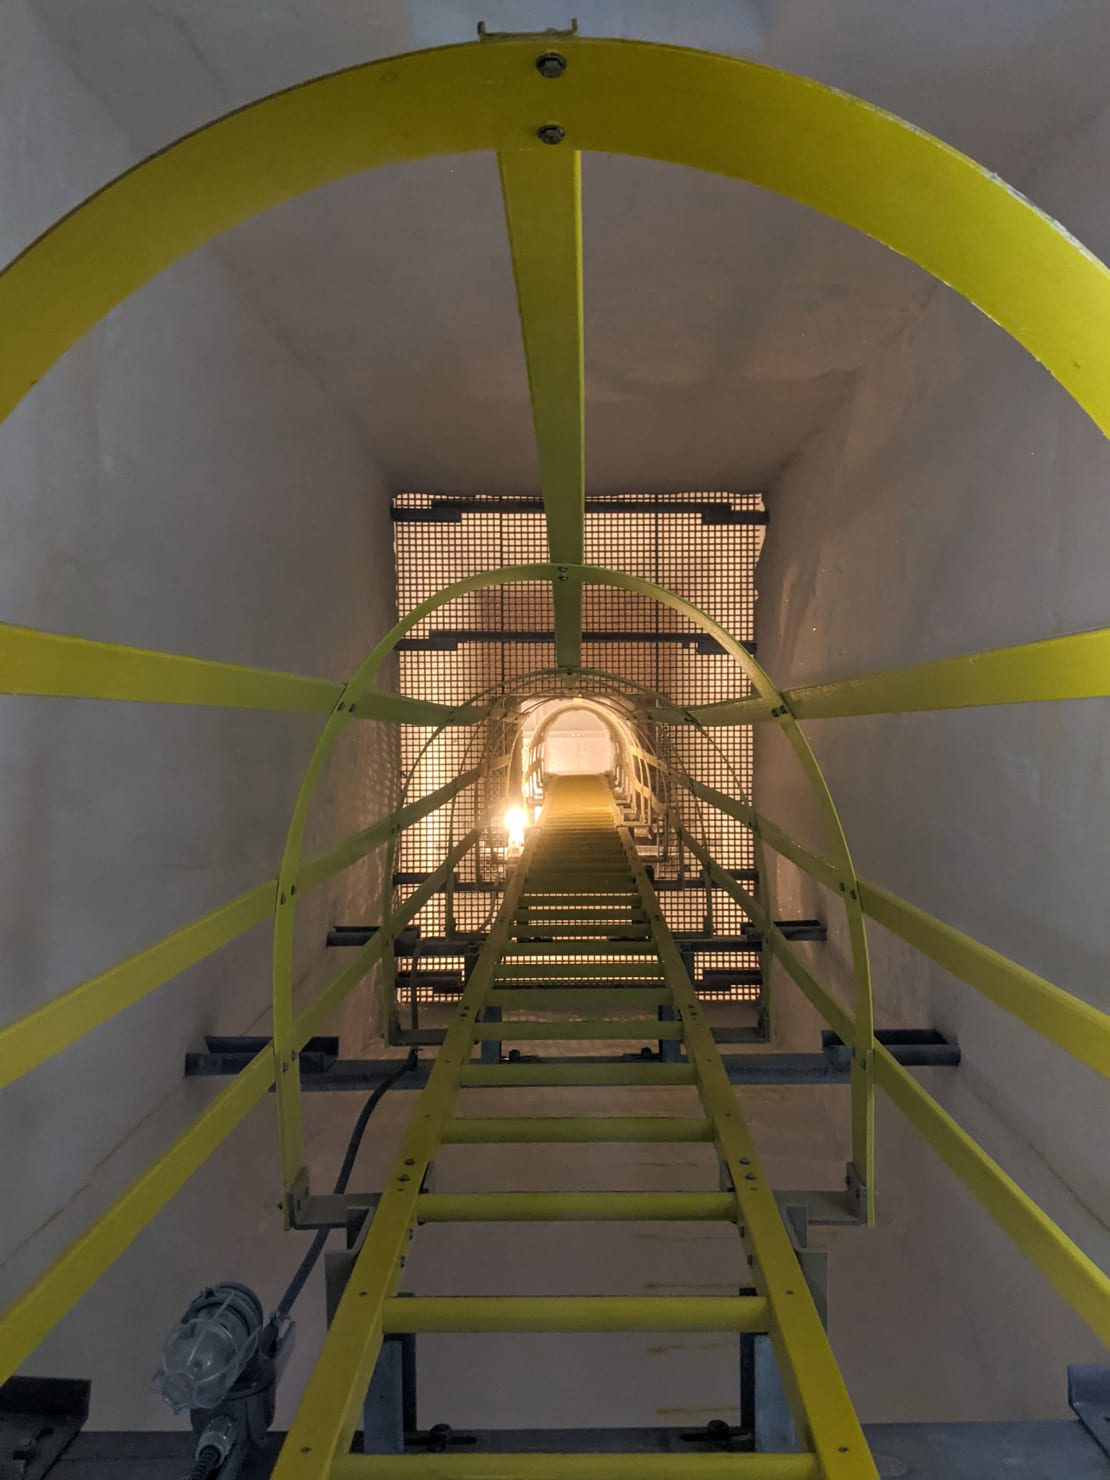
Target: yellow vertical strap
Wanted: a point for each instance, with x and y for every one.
(542, 190)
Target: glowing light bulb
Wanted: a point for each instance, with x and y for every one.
(516, 820)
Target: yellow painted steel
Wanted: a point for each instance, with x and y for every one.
(576, 1313)
(533, 1466)
(576, 1207)
(1071, 1272)
(732, 117)
(1066, 1020)
(1067, 1268)
(542, 189)
(789, 134)
(34, 662)
(589, 1028)
(326, 1418)
(823, 1413)
(32, 1315)
(579, 1075)
(500, 1129)
(1073, 667)
(543, 999)
(30, 1040)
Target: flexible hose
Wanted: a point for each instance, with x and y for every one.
(206, 1461)
(316, 1248)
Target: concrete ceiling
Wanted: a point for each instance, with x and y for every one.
(724, 325)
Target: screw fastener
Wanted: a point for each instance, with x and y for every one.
(551, 64)
(551, 133)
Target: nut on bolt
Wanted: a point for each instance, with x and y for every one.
(551, 64)
(551, 133)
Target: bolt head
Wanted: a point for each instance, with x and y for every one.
(551, 133)
(551, 64)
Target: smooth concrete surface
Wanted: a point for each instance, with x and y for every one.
(180, 481)
(959, 503)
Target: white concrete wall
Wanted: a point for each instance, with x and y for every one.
(959, 502)
(179, 481)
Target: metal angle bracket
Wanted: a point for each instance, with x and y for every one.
(1089, 1400)
(39, 1417)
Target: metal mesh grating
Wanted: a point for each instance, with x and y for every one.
(703, 546)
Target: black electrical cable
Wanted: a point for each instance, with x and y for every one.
(316, 1248)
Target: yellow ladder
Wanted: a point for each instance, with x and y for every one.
(580, 889)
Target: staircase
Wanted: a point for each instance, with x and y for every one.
(580, 889)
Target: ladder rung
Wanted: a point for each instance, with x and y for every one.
(583, 1075)
(600, 1028)
(573, 900)
(458, 1313)
(500, 1130)
(608, 947)
(570, 932)
(576, 1207)
(578, 970)
(546, 999)
(588, 906)
(695, 1464)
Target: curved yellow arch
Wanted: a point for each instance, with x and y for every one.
(785, 133)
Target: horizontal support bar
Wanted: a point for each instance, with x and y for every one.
(59, 666)
(550, 1313)
(1072, 667)
(582, 1074)
(1062, 1018)
(611, 946)
(580, 933)
(460, 886)
(546, 999)
(33, 1314)
(450, 639)
(577, 1207)
(569, 1129)
(449, 509)
(30, 1040)
(592, 1028)
(578, 970)
(1067, 1268)
(530, 1465)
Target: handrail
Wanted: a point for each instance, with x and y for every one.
(1058, 1015)
(32, 1315)
(48, 663)
(1076, 666)
(39, 1035)
(1068, 1269)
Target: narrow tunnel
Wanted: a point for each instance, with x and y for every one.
(546, 584)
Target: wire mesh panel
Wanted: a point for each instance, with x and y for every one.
(704, 547)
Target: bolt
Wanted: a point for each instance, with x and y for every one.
(341, 708)
(351, 709)
(551, 64)
(745, 1161)
(283, 899)
(292, 890)
(749, 1176)
(551, 133)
